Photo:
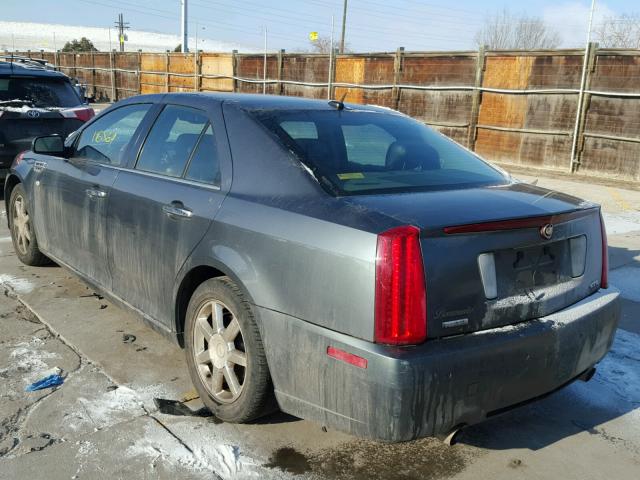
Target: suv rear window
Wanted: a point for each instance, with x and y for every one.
(38, 92)
(360, 152)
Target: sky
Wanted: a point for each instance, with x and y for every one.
(372, 25)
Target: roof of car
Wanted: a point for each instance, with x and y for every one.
(270, 102)
(28, 70)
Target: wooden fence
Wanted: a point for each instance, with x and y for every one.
(516, 108)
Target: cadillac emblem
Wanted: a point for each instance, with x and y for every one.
(546, 231)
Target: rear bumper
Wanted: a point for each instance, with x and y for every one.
(406, 393)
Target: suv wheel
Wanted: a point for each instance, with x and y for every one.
(23, 236)
(225, 354)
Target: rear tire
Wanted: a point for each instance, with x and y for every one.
(23, 236)
(225, 355)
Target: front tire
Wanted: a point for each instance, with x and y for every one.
(23, 235)
(225, 354)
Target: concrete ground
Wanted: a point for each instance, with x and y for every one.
(103, 422)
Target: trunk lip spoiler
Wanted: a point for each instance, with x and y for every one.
(539, 221)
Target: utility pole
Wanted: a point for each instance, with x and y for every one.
(121, 25)
(576, 130)
(344, 26)
(184, 33)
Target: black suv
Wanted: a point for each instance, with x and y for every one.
(35, 100)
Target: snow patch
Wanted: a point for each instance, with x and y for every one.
(29, 362)
(106, 409)
(618, 223)
(616, 384)
(19, 285)
(627, 280)
(157, 444)
(49, 37)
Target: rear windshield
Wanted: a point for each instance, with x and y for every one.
(360, 152)
(37, 92)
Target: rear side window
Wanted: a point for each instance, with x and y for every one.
(39, 92)
(204, 166)
(172, 140)
(106, 139)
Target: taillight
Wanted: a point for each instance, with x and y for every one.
(604, 277)
(401, 294)
(83, 113)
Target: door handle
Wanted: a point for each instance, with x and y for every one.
(95, 193)
(177, 209)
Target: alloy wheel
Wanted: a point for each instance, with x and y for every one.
(219, 351)
(21, 226)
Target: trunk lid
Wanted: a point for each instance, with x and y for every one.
(534, 276)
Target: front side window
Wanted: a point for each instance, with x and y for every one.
(362, 152)
(106, 139)
(172, 140)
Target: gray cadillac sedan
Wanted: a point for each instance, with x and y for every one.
(344, 263)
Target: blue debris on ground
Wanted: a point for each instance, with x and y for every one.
(47, 382)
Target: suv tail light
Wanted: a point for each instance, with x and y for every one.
(401, 294)
(82, 113)
(604, 278)
(19, 158)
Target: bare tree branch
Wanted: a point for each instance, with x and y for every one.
(621, 31)
(323, 45)
(506, 31)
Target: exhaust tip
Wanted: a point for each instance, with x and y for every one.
(588, 374)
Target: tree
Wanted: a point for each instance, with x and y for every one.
(621, 31)
(323, 45)
(506, 31)
(178, 48)
(83, 45)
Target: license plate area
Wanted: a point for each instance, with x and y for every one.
(523, 270)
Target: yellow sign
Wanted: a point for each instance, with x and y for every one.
(313, 36)
(350, 176)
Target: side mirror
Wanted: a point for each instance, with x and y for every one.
(49, 145)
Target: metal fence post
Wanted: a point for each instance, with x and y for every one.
(197, 70)
(476, 99)
(166, 72)
(112, 63)
(93, 74)
(398, 63)
(584, 101)
(139, 69)
(234, 69)
(280, 90)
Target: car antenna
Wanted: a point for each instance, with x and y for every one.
(338, 104)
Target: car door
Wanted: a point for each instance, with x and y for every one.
(161, 207)
(78, 191)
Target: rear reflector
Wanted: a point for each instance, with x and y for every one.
(83, 113)
(401, 295)
(604, 278)
(530, 222)
(350, 358)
